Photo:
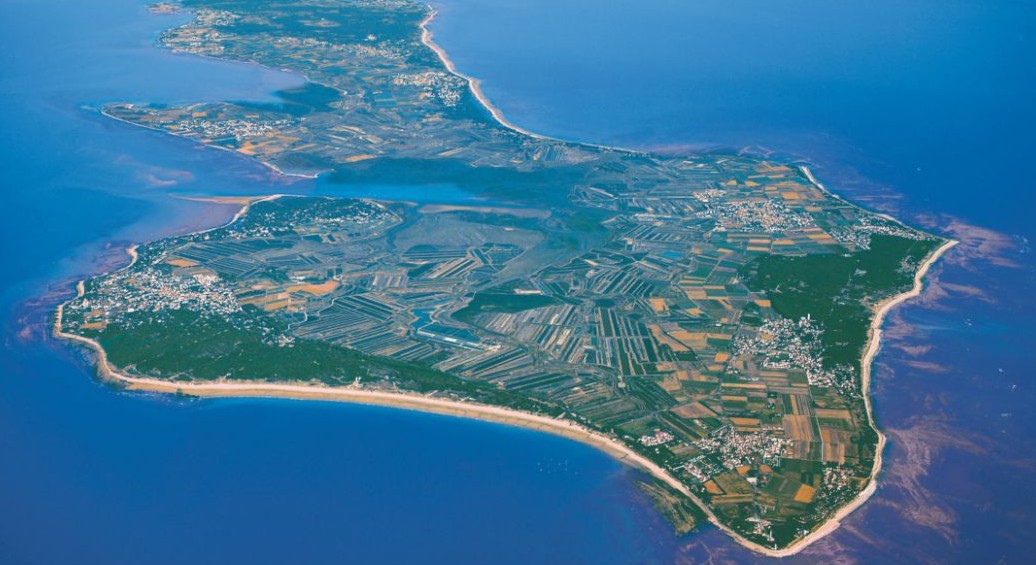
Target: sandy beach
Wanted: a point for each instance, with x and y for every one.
(409, 401)
(881, 310)
(557, 426)
(473, 83)
(476, 88)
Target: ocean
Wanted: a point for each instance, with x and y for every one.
(921, 109)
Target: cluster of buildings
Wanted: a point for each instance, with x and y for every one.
(781, 343)
(660, 437)
(446, 87)
(733, 449)
(232, 128)
(627, 306)
(123, 298)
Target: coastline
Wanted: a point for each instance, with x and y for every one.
(406, 401)
(245, 202)
(266, 164)
(561, 427)
(506, 416)
(474, 84)
(874, 334)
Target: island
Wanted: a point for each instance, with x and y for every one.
(710, 319)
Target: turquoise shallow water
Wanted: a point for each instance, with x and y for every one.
(91, 475)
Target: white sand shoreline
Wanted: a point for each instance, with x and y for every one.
(562, 427)
(473, 83)
(558, 426)
(873, 346)
(874, 332)
(411, 401)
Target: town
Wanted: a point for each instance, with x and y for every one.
(709, 311)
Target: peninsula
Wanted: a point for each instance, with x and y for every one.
(710, 318)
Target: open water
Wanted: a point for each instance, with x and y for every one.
(921, 108)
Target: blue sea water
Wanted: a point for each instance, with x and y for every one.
(92, 475)
(931, 97)
(920, 108)
(923, 109)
